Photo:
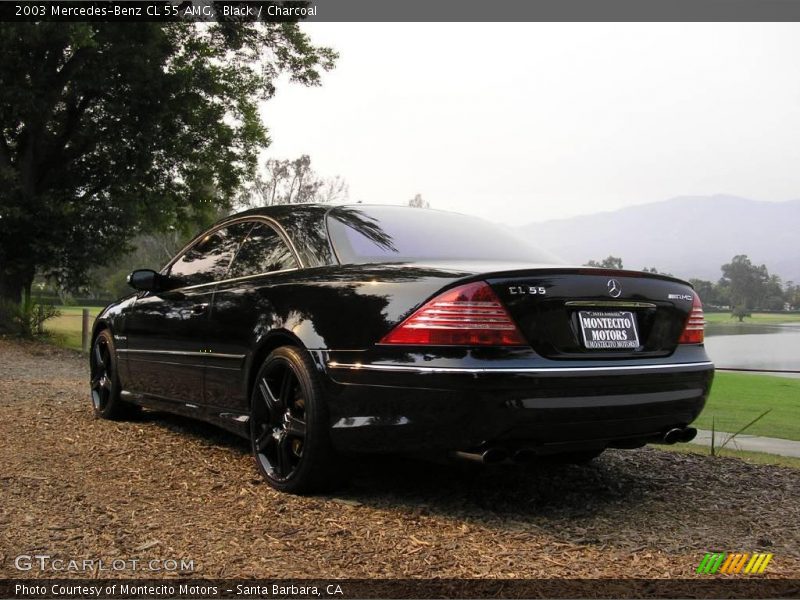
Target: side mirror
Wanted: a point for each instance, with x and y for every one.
(147, 280)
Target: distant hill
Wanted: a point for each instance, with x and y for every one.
(686, 236)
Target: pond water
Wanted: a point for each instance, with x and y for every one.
(755, 346)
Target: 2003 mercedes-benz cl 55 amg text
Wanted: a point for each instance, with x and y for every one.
(319, 333)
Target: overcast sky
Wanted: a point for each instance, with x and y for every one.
(528, 122)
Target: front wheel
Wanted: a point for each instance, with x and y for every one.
(104, 380)
(289, 425)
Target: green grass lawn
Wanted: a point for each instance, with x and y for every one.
(66, 329)
(738, 398)
(725, 318)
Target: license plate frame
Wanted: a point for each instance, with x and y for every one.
(609, 329)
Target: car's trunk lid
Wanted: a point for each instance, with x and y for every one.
(569, 313)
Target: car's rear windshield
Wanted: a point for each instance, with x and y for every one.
(375, 234)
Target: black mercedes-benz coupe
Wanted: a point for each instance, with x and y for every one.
(322, 332)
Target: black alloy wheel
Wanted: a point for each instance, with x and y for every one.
(288, 424)
(104, 381)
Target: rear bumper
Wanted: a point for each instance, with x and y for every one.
(394, 407)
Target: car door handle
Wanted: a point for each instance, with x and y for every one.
(200, 308)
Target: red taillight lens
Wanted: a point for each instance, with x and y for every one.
(693, 331)
(469, 315)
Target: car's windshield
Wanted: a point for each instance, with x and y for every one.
(400, 234)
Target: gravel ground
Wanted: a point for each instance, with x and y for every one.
(75, 487)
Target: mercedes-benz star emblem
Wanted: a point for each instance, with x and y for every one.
(614, 288)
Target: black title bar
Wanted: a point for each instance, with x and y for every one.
(400, 10)
(346, 589)
(143, 11)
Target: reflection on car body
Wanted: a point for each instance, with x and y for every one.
(322, 332)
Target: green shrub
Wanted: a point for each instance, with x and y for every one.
(15, 320)
(39, 314)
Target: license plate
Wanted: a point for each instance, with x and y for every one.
(602, 329)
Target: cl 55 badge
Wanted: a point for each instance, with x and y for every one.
(679, 296)
(515, 290)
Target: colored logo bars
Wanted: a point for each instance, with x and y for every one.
(733, 564)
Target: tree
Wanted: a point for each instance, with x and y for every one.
(108, 130)
(292, 182)
(773, 295)
(740, 312)
(746, 282)
(708, 292)
(610, 262)
(792, 295)
(418, 202)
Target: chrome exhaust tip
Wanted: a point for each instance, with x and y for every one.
(679, 434)
(469, 456)
(673, 436)
(490, 456)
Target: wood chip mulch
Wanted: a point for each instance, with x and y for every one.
(75, 487)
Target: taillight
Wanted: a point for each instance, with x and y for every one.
(693, 331)
(468, 315)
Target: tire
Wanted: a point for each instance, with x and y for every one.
(289, 429)
(104, 381)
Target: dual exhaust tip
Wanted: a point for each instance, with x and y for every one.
(679, 434)
(490, 456)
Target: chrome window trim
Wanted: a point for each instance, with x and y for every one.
(279, 229)
(192, 243)
(482, 370)
(249, 218)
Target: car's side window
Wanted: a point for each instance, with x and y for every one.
(263, 251)
(209, 259)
